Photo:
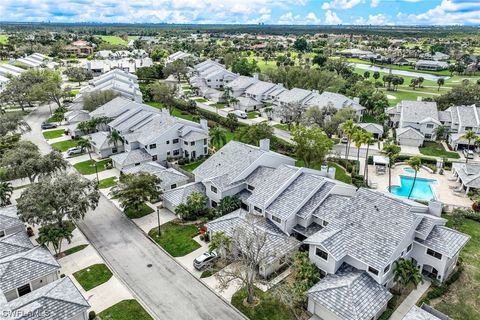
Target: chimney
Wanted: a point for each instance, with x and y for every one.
(265, 145)
(204, 124)
(435, 208)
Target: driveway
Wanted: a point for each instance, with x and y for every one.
(168, 290)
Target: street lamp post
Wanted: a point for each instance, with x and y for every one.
(158, 219)
(96, 172)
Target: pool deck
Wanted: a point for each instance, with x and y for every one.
(441, 189)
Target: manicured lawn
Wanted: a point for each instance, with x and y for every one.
(74, 249)
(63, 146)
(88, 167)
(462, 299)
(144, 210)
(252, 115)
(93, 276)
(176, 238)
(115, 40)
(191, 166)
(281, 126)
(56, 117)
(268, 307)
(218, 105)
(436, 149)
(52, 134)
(125, 310)
(201, 100)
(107, 183)
(3, 39)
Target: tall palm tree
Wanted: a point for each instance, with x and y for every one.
(368, 140)
(415, 163)
(218, 137)
(6, 191)
(114, 137)
(348, 128)
(440, 132)
(358, 138)
(469, 136)
(86, 144)
(391, 151)
(406, 273)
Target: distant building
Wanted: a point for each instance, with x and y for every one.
(431, 65)
(79, 48)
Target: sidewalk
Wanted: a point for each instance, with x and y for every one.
(410, 300)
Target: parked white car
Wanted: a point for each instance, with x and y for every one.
(468, 154)
(205, 260)
(240, 114)
(74, 150)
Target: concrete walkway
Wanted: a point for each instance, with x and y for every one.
(410, 300)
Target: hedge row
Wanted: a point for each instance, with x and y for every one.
(425, 161)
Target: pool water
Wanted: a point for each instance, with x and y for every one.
(421, 191)
(409, 170)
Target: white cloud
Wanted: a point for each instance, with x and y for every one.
(291, 18)
(332, 18)
(376, 19)
(341, 4)
(374, 3)
(312, 18)
(448, 12)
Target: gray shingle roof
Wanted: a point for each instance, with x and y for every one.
(337, 100)
(23, 267)
(179, 195)
(416, 313)
(294, 95)
(277, 244)
(54, 301)
(416, 111)
(316, 200)
(469, 173)
(9, 218)
(260, 88)
(426, 225)
(242, 82)
(330, 206)
(168, 176)
(467, 115)
(445, 240)
(409, 132)
(131, 157)
(350, 294)
(14, 243)
(259, 175)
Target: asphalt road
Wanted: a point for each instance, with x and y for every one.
(166, 289)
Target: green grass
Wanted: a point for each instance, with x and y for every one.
(267, 308)
(115, 40)
(93, 276)
(125, 310)
(340, 173)
(56, 117)
(281, 126)
(176, 238)
(462, 299)
(201, 100)
(87, 167)
(142, 212)
(3, 39)
(63, 146)
(53, 134)
(193, 165)
(253, 115)
(74, 249)
(218, 105)
(436, 149)
(367, 118)
(107, 183)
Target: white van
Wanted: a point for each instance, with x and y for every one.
(240, 114)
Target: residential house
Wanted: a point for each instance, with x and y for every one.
(34, 61)
(76, 116)
(170, 178)
(99, 67)
(400, 61)
(424, 312)
(211, 74)
(56, 300)
(468, 174)
(14, 243)
(179, 55)
(102, 144)
(374, 128)
(38, 268)
(172, 198)
(336, 100)
(240, 85)
(431, 65)
(9, 222)
(79, 48)
(263, 91)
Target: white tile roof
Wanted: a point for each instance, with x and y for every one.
(9, 218)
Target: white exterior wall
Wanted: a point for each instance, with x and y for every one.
(329, 266)
(419, 253)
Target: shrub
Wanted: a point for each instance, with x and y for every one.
(92, 315)
(476, 206)
(437, 291)
(386, 315)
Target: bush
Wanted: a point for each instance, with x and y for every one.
(386, 315)
(92, 315)
(437, 291)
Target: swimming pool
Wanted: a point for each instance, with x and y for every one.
(421, 191)
(409, 170)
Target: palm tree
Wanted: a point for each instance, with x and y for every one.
(218, 137)
(348, 128)
(358, 138)
(469, 136)
(86, 144)
(415, 163)
(391, 151)
(114, 137)
(440, 132)
(6, 191)
(406, 273)
(368, 140)
(440, 82)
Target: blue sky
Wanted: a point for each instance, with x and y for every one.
(327, 12)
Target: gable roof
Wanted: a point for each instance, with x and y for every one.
(14, 243)
(445, 240)
(337, 100)
(168, 176)
(9, 218)
(409, 132)
(180, 194)
(350, 294)
(416, 111)
(131, 157)
(57, 300)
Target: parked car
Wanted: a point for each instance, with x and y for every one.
(240, 114)
(344, 140)
(468, 154)
(47, 125)
(74, 150)
(205, 260)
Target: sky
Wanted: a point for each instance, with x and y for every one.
(306, 12)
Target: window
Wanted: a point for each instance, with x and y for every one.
(429, 126)
(154, 158)
(167, 142)
(2, 234)
(175, 141)
(386, 269)
(257, 209)
(23, 290)
(185, 143)
(276, 219)
(204, 141)
(214, 204)
(168, 153)
(213, 189)
(428, 136)
(322, 254)
(137, 164)
(409, 247)
(173, 186)
(468, 128)
(114, 150)
(126, 142)
(434, 254)
(176, 152)
(205, 150)
(153, 146)
(325, 223)
(373, 270)
(250, 187)
(192, 143)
